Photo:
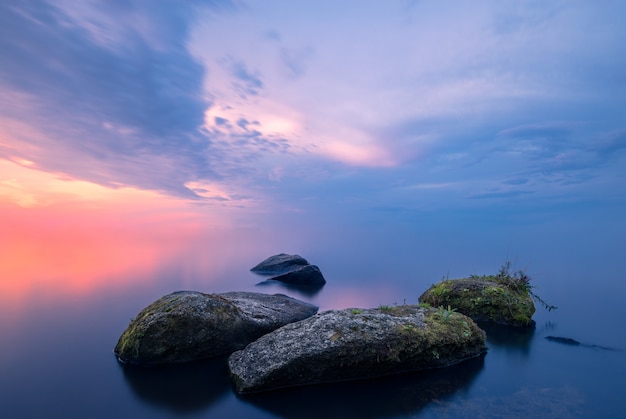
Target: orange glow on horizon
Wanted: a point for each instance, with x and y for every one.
(60, 236)
(25, 187)
(60, 251)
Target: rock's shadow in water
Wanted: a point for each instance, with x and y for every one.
(511, 338)
(305, 290)
(403, 395)
(182, 388)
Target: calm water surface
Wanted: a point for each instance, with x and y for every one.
(62, 313)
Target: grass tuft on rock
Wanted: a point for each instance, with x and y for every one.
(504, 298)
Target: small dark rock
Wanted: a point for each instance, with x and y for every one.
(566, 341)
(280, 264)
(574, 342)
(308, 275)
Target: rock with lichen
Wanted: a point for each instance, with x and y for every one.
(188, 325)
(500, 299)
(350, 344)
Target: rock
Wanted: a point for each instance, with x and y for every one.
(565, 341)
(485, 299)
(291, 269)
(355, 344)
(280, 264)
(308, 275)
(574, 342)
(188, 325)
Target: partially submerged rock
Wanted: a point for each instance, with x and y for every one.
(188, 325)
(565, 341)
(354, 344)
(309, 275)
(280, 264)
(487, 298)
(574, 342)
(290, 269)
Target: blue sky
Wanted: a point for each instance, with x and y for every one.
(325, 107)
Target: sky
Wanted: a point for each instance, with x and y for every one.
(228, 112)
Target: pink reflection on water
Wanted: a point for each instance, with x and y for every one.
(65, 252)
(51, 252)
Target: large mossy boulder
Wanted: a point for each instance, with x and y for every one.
(188, 325)
(492, 298)
(350, 344)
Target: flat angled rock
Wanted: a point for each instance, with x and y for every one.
(188, 325)
(268, 311)
(355, 344)
(279, 264)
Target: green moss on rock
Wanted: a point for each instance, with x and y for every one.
(491, 298)
(177, 327)
(188, 325)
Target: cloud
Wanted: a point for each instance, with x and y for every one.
(295, 60)
(135, 84)
(245, 82)
(119, 94)
(500, 194)
(560, 147)
(525, 16)
(308, 105)
(609, 144)
(517, 181)
(408, 75)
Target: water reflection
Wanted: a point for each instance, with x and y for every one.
(543, 402)
(70, 255)
(514, 339)
(384, 397)
(62, 254)
(308, 291)
(182, 388)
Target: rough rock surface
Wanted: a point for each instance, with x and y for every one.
(308, 275)
(280, 264)
(354, 344)
(188, 325)
(483, 299)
